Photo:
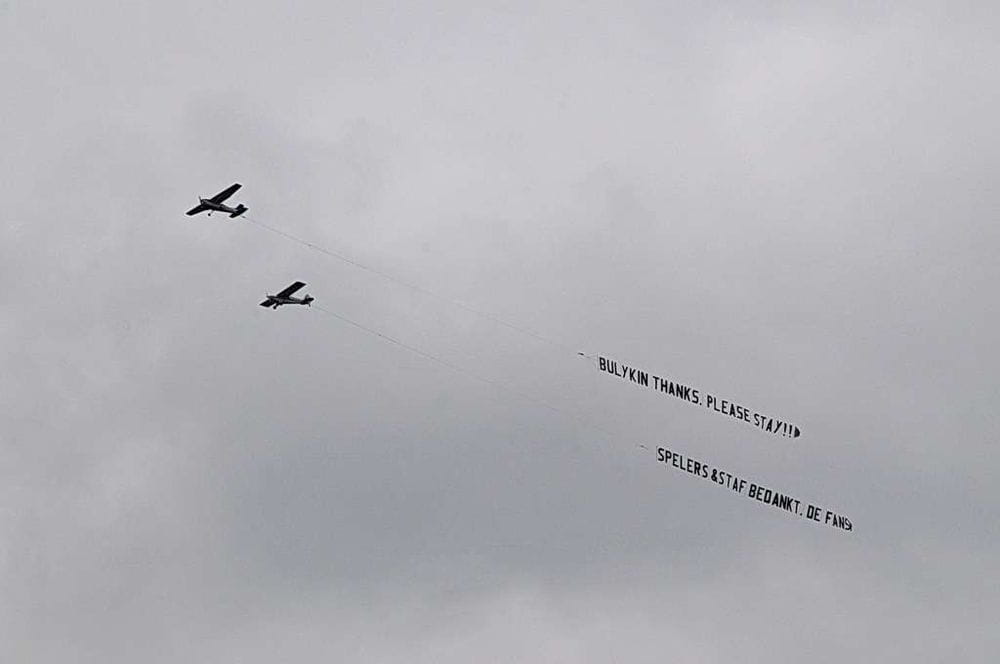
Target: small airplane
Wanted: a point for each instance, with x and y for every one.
(285, 297)
(214, 204)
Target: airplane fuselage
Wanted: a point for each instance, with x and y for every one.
(276, 301)
(217, 207)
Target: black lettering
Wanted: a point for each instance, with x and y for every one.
(602, 363)
(644, 379)
(661, 454)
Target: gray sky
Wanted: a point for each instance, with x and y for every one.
(795, 208)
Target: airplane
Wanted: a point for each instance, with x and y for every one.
(285, 297)
(214, 204)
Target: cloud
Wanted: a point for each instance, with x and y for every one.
(789, 207)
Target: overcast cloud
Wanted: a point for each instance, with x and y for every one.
(796, 208)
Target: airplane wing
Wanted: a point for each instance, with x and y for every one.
(291, 289)
(266, 303)
(196, 209)
(225, 193)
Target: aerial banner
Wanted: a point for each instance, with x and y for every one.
(663, 385)
(753, 490)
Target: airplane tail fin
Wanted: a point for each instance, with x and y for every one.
(240, 209)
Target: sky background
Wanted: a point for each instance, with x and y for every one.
(792, 207)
